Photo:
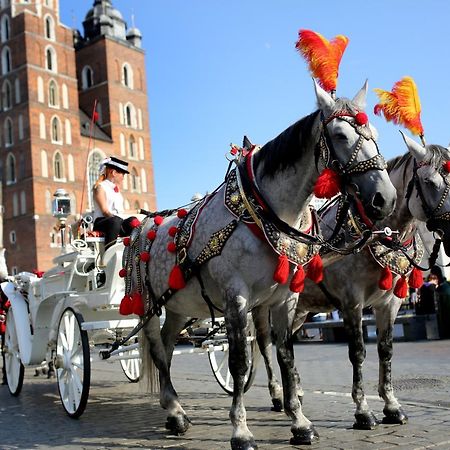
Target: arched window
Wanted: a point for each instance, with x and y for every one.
(10, 169)
(44, 164)
(6, 95)
(56, 130)
(143, 181)
(87, 77)
(40, 89)
(42, 131)
(135, 185)
(128, 116)
(8, 128)
(49, 27)
(141, 148)
(50, 59)
(23, 202)
(127, 76)
(17, 89)
(95, 159)
(123, 150)
(49, 3)
(65, 96)
(15, 204)
(53, 97)
(5, 28)
(68, 130)
(20, 126)
(6, 60)
(58, 167)
(132, 153)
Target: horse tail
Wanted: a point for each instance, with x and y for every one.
(149, 373)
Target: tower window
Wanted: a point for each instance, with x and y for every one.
(10, 169)
(58, 167)
(56, 130)
(49, 28)
(87, 77)
(50, 59)
(4, 28)
(7, 95)
(8, 128)
(6, 60)
(53, 94)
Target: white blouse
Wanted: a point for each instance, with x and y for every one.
(114, 200)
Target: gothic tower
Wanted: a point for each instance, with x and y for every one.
(52, 78)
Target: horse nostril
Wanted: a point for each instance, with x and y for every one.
(378, 201)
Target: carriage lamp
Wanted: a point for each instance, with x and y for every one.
(61, 210)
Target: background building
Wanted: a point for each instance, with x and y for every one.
(68, 99)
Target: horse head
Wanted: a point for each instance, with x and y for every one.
(428, 193)
(349, 148)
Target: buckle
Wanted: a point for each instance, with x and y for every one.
(182, 255)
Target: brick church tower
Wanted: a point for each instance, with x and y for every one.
(68, 100)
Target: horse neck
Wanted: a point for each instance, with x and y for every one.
(285, 170)
(401, 174)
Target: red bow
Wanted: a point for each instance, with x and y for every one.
(116, 188)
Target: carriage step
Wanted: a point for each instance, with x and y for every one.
(99, 325)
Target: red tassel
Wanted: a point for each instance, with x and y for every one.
(447, 166)
(298, 280)
(122, 273)
(401, 288)
(173, 231)
(116, 189)
(138, 304)
(126, 306)
(126, 241)
(315, 269)
(134, 223)
(361, 118)
(176, 278)
(158, 220)
(151, 235)
(172, 247)
(145, 256)
(415, 278)
(385, 281)
(327, 185)
(181, 213)
(281, 273)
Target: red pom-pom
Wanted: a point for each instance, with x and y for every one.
(181, 213)
(446, 166)
(138, 304)
(176, 278)
(126, 241)
(151, 235)
(126, 306)
(122, 273)
(281, 273)
(415, 279)
(116, 188)
(327, 184)
(315, 269)
(158, 220)
(95, 116)
(361, 118)
(171, 246)
(7, 304)
(134, 223)
(173, 231)
(298, 280)
(385, 281)
(401, 288)
(145, 256)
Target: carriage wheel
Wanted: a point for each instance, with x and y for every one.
(218, 359)
(72, 363)
(13, 365)
(131, 367)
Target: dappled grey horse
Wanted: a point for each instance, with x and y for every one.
(422, 180)
(232, 263)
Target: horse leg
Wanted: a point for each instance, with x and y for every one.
(264, 339)
(236, 323)
(177, 420)
(173, 325)
(385, 318)
(302, 429)
(365, 418)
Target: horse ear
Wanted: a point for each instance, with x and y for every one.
(324, 99)
(360, 98)
(418, 151)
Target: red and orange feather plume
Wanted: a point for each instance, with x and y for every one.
(401, 106)
(323, 56)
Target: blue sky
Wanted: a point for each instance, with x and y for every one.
(217, 70)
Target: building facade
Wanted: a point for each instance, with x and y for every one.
(68, 100)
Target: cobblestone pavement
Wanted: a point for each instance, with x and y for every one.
(120, 415)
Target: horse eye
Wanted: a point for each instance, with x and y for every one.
(341, 137)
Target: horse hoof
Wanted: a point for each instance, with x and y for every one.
(178, 424)
(277, 405)
(395, 417)
(304, 436)
(365, 421)
(242, 444)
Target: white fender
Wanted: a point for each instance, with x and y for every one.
(21, 320)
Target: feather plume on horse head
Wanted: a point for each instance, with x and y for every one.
(323, 56)
(401, 106)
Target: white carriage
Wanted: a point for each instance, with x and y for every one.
(70, 315)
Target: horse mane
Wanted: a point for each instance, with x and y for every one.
(438, 155)
(288, 147)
